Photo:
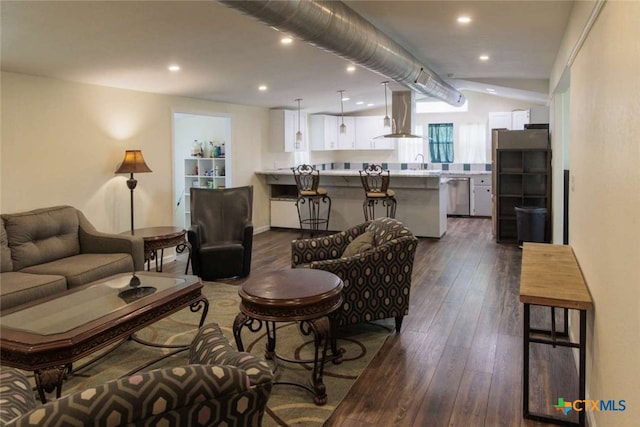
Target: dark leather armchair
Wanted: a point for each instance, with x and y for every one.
(221, 233)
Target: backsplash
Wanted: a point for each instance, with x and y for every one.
(455, 167)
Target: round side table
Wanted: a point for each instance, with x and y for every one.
(304, 295)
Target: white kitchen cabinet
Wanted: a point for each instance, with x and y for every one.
(323, 132)
(347, 140)
(368, 131)
(481, 195)
(284, 126)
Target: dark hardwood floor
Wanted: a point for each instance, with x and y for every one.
(458, 359)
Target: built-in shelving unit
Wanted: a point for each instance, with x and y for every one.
(202, 172)
(523, 179)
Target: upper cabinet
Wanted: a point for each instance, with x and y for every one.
(361, 133)
(284, 126)
(369, 129)
(347, 140)
(323, 132)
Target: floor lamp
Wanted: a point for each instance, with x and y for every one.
(133, 163)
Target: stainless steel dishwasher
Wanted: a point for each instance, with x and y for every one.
(458, 196)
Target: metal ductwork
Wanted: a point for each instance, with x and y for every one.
(334, 26)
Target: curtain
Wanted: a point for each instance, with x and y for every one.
(472, 142)
(441, 142)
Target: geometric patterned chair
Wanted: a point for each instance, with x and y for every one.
(220, 386)
(374, 261)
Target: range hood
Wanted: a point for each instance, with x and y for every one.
(403, 107)
(335, 27)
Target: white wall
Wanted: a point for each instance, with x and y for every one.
(604, 224)
(62, 142)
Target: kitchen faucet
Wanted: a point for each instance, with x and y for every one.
(421, 163)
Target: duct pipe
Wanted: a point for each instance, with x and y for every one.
(335, 27)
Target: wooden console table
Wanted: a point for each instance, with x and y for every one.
(551, 277)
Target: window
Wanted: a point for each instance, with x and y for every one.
(441, 142)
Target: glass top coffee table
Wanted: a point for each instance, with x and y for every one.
(48, 335)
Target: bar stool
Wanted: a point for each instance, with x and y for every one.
(315, 199)
(375, 182)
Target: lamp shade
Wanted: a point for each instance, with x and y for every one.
(133, 163)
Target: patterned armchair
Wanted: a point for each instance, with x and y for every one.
(377, 277)
(220, 387)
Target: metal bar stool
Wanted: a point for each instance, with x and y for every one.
(375, 182)
(313, 203)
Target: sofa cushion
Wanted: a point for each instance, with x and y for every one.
(360, 244)
(19, 288)
(42, 235)
(85, 268)
(6, 264)
(387, 229)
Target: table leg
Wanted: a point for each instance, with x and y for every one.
(180, 248)
(241, 320)
(203, 304)
(525, 361)
(583, 363)
(321, 329)
(49, 379)
(270, 348)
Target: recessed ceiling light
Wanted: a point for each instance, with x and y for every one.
(359, 103)
(286, 40)
(351, 68)
(174, 67)
(346, 99)
(371, 104)
(262, 88)
(491, 90)
(483, 57)
(463, 19)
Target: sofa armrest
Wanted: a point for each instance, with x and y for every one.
(93, 241)
(304, 251)
(194, 235)
(17, 397)
(211, 347)
(168, 396)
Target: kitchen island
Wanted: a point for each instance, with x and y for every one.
(421, 195)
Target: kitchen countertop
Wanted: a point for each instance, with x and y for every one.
(412, 173)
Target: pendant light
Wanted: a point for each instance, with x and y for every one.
(387, 120)
(298, 134)
(343, 127)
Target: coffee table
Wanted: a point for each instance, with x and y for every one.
(305, 295)
(49, 334)
(159, 238)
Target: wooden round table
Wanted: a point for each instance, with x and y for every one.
(304, 295)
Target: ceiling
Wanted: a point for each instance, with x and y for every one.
(225, 55)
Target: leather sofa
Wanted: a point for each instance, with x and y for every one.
(47, 251)
(219, 387)
(375, 262)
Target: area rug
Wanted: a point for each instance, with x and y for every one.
(288, 405)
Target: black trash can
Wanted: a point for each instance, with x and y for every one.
(530, 221)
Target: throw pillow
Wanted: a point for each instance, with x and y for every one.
(360, 244)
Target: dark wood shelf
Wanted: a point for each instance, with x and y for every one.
(523, 178)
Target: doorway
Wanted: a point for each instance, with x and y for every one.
(191, 130)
